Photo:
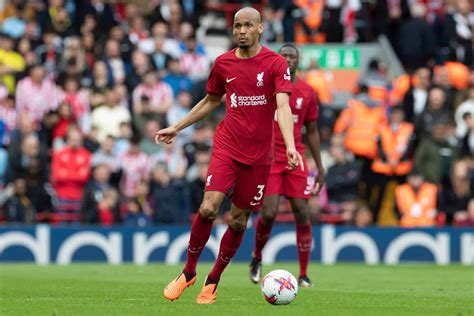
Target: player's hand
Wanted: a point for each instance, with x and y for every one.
(319, 182)
(294, 159)
(166, 135)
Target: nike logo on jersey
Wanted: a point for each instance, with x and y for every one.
(229, 80)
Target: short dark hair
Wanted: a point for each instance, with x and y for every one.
(289, 45)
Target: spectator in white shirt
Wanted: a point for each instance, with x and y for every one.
(107, 118)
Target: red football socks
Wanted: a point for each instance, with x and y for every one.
(229, 244)
(262, 234)
(200, 233)
(303, 241)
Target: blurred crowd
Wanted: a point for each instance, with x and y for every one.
(85, 84)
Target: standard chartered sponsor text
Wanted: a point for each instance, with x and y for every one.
(251, 100)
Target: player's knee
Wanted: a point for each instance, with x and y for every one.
(209, 209)
(238, 223)
(301, 215)
(268, 215)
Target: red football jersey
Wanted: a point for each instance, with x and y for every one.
(304, 108)
(250, 85)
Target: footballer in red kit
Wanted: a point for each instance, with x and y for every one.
(294, 184)
(256, 82)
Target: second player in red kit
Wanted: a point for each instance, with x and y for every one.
(256, 82)
(293, 184)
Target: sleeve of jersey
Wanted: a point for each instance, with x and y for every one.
(282, 76)
(313, 109)
(215, 81)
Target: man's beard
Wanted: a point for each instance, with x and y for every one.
(244, 46)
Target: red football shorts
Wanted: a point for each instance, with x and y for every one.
(247, 183)
(289, 183)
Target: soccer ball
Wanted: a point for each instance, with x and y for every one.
(279, 287)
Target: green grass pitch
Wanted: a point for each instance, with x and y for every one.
(343, 289)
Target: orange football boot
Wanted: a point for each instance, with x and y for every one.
(176, 287)
(208, 294)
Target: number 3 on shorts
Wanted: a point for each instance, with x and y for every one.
(258, 197)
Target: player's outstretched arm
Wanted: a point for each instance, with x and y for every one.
(314, 144)
(285, 122)
(198, 112)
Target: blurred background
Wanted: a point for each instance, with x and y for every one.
(85, 84)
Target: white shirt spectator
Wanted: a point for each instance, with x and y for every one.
(107, 119)
(461, 126)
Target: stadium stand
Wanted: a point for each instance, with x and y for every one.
(84, 85)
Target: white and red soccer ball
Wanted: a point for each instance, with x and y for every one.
(279, 287)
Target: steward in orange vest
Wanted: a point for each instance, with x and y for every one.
(416, 201)
(361, 123)
(395, 146)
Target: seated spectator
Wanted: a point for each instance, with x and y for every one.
(416, 201)
(106, 207)
(159, 93)
(48, 123)
(465, 219)
(142, 195)
(39, 190)
(79, 101)
(176, 78)
(174, 159)
(19, 161)
(73, 59)
(90, 49)
(159, 57)
(177, 112)
(141, 64)
(123, 141)
(126, 46)
(137, 31)
(8, 116)
(66, 120)
(363, 217)
(18, 208)
(200, 139)
(170, 200)
(135, 215)
(414, 101)
(108, 117)
(37, 94)
(148, 144)
(468, 140)
(13, 63)
(91, 140)
(70, 172)
(94, 193)
(342, 181)
(117, 69)
(106, 156)
(465, 107)
(455, 198)
(434, 154)
(100, 84)
(194, 65)
(434, 112)
(141, 119)
(135, 167)
(49, 52)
